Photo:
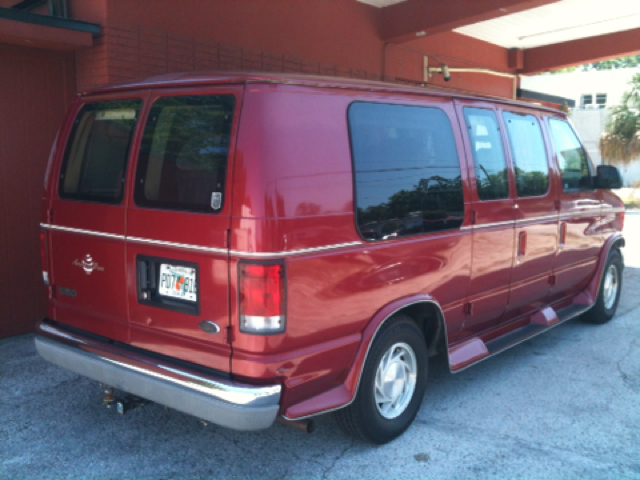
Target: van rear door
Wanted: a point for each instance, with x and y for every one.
(177, 227)
(87, 217)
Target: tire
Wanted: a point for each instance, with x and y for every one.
(609, 292)
(382, 412)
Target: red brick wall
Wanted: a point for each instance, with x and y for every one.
(126, 51)
(454, 50)
(327, 37)
(342, 32)
(36, 88)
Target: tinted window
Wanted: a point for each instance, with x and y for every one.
(406, 168)
(572, 159)
(95, 159)
(488, 154)
(183, 155)
(529, 156)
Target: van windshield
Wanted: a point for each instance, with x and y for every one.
(95, 160)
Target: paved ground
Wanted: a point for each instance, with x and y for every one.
(565, 405)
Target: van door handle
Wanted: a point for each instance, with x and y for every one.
(522, 244)
(563, 234)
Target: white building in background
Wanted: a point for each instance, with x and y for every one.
(594, 92)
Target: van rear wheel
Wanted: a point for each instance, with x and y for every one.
(392, 384)
(609, 292)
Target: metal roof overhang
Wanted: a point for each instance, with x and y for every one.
(546, 34)
(45, 31)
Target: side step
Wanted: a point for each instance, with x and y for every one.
(474, 350)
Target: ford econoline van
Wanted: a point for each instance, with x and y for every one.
(248, 248)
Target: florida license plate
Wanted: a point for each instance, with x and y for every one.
(178, 282)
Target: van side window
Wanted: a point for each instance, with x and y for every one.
(95, 159)
(406, 168)
(529, 155)
(572, 159)
(488, 154)
(183, 155)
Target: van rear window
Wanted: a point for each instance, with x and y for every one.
(406, 169)
(95, 160)
(183, 155)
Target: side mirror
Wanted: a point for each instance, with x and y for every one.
(608, 177)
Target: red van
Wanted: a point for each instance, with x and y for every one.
(249, 247)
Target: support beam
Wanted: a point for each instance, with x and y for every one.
(413, 19)
(515, 58)
(579, 52)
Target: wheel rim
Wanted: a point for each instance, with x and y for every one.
(610, 287)
(395, 380)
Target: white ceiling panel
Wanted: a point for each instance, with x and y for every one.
(558, 22)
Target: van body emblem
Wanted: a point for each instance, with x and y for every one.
(88, 264)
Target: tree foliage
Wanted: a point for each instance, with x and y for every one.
(620, 142)
(622, 62)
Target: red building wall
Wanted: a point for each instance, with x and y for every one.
(331, 31)
(36, 88)
(329, 37)
(454, 50)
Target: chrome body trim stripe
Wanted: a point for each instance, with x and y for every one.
(201, 248)
(522, 221)
(83, 231)
(506, 223)
(564, 218)
(301, 251)
(183, 246)
(537, 219)
(289, 253)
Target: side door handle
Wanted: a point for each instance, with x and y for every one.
(522, 244)
(563, 234)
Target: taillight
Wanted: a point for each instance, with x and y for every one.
(44, 257)
(262, 297)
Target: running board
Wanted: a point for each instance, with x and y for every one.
(474, 350)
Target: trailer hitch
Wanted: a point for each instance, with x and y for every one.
(123, 404)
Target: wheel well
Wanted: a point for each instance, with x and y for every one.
(617, 245)
(430, 321)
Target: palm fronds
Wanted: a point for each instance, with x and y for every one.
(620, 142)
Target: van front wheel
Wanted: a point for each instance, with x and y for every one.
(609, 292)
(392, 384)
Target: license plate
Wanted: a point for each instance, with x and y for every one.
(178, 282)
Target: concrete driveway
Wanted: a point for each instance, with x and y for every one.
(565, 405)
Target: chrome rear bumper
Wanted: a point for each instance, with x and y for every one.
(220, 401)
